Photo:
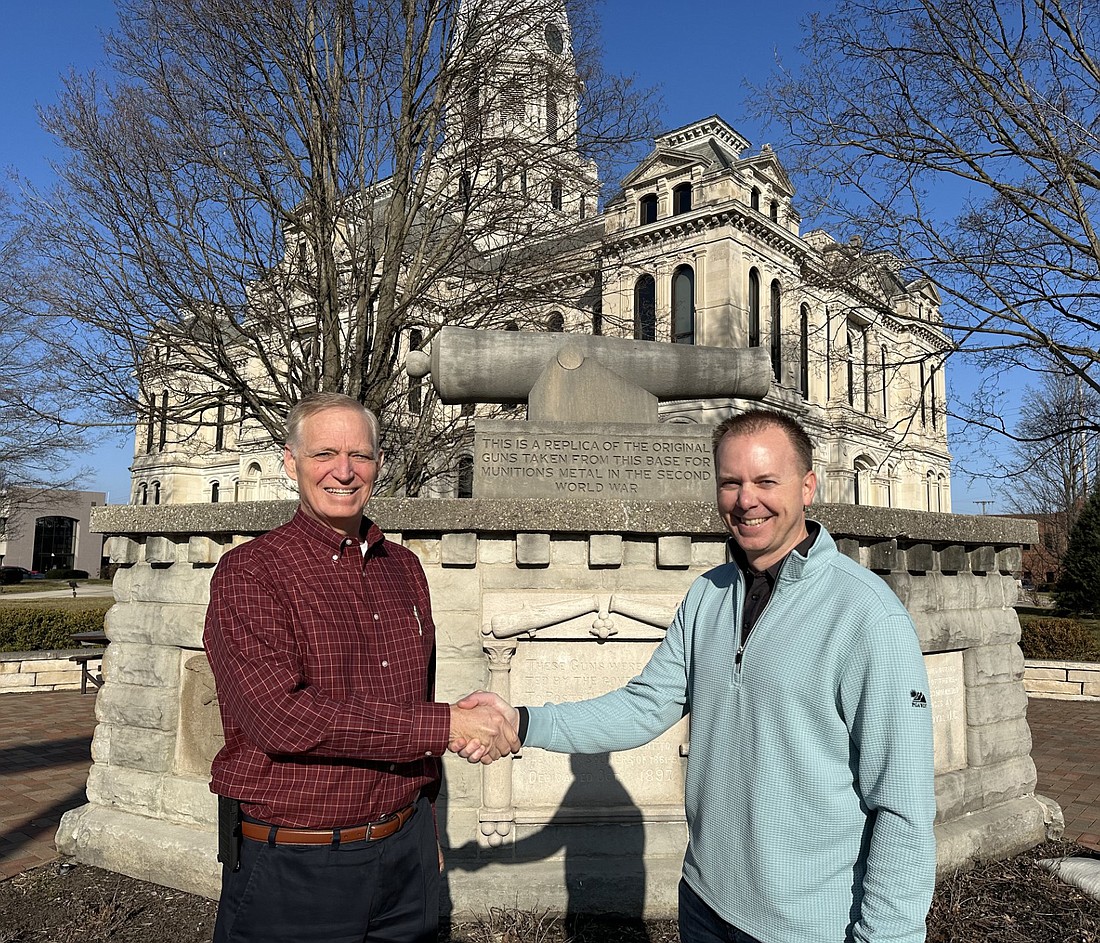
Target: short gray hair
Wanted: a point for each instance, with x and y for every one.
(315, 403)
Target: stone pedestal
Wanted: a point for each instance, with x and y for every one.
(540, 601)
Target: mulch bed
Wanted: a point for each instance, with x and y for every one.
(1012, 901)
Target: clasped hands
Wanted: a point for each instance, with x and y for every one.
(484, 727)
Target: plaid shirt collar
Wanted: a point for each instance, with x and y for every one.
(330, 541)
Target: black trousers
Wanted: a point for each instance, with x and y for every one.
(383, 891)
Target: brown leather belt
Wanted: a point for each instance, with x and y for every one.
(281, 835)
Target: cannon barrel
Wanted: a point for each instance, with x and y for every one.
(470, 366)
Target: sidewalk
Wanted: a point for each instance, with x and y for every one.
(45, 742)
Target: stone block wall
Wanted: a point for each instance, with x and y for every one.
(1068, 680)
(545, 601)
(27, 672)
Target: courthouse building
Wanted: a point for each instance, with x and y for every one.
(702, 244)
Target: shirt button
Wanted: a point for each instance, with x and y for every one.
(393, 766)
(336, 556)
(427, 752)
(376, 617)
(385, 664)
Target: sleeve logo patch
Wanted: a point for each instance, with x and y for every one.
(919, 700)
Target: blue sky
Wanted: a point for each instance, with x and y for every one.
(700, 68)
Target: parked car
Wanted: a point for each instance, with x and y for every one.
(10, 575)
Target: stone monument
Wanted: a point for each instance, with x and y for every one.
(539, 600)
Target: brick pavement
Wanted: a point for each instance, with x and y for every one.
(45, 753)
(1065, 744)
(45, 742)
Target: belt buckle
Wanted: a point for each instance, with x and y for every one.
(385, 820)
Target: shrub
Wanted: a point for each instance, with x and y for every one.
(60, 574)
(36, 628)
(1057, 639)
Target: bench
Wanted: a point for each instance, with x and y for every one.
(85, 674)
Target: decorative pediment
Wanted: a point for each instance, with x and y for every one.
(766, 168)
(663, 163)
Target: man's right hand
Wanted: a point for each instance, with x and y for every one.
(483, 728)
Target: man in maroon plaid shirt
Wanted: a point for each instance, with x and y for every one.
(321, 639)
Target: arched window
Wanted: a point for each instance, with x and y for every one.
(681, 199)
(465, 485)
(523, 182)
(464, 188)
(500, 175)
(215, 492)
(511, 326)
(583, 206)
(555, 195)
(754, 308)
(754, 199)
(930, 498)
(645, 309)
(219, 428)
(555, 324)
(597, 318)
(776, 331)
(683, 305)
(861, 480)
(156, 492)
(54, 543)
(150, 420)
(647, 209)
(942, 494)
(143, 493)
(773, 211)
(804, 351)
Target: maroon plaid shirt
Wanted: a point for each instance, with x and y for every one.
(323, 661)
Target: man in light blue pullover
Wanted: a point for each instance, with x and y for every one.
(809, 791)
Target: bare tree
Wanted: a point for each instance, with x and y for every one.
(274, 193)
(962, 137)
(38, 437)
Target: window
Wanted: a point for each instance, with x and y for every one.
(683, 305)
(500, 175)
(464, 188)
(923, 400)
(861, 481)
(597, 318)
(416, 384)
(150, 420)
(465, 484)
(932, 398)
(884, 358)
(773, 211)
(511, 326)
(754, 308)
(647, 209)
(163, 420)
(215, 492)
(930, 491)
(219, 429)
(754, 199)
(645, 309)
(804, 351)
(828, 355)
(555, 324)
(523, 182)
(555, 195)
(143, 491)
(583, 206)
(54, 543)
(776, 332)
(156, 492)
(681, 199)
(857, 366)
(551, 114)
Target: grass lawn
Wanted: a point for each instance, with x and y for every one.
(15, 590)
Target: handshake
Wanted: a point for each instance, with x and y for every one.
(484, 728)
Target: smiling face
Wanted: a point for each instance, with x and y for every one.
(763, 491)
(335, 462)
